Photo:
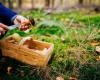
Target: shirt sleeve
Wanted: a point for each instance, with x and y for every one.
(6, 13)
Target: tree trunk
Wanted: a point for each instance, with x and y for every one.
(52, 3)
(3, 1)
(32, 1)
(81, 2)
(19, 3)
(47, 3)
(10, 4)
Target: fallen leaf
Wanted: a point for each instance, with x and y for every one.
(72, 78)
(94, 43)
(9, 70)
(98, 49)
(98, 58)
(22, 73)
(60, 78)
(98, 30)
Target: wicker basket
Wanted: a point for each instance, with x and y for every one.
(32, 52)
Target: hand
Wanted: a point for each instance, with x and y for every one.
(3, 29)
(23, 21)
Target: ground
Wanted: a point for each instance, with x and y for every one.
(75, 35)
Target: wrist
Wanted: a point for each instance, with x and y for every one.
(13, 18)
(19, 19)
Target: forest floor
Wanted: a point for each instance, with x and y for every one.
(75, 35)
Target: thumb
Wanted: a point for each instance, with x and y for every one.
(3, 26)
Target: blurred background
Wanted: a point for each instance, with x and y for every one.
(50, 4)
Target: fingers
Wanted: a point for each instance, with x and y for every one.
(3, 26)
(2, 31)
(22, 27)
(23, 21)
(25, 24)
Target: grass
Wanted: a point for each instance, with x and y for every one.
(72, 34)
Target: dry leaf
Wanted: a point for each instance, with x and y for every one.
(72, 78)
(98, 58)
(59, 78)
(98, 49)
(9, 70)
(22, 73)
(98, 30)
(94, 43)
